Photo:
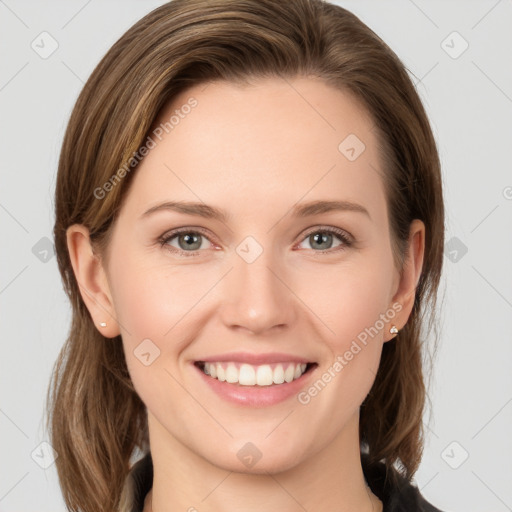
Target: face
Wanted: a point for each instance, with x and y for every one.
(285, 267)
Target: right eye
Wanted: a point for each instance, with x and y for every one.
(188, 241)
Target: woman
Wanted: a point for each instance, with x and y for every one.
(249, 225)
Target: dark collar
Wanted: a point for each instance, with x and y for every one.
(396, 493)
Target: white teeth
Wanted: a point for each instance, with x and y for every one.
(279, 374)
(289, 373)
(249, 375)
(264, 375)
(231, 374)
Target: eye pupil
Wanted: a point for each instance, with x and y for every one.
(321, 238)
(190, 240)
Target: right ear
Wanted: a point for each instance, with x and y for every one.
(92, 280)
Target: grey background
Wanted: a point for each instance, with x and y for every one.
(468, 97)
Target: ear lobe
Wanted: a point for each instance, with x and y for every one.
(413, 265)
(92, 281)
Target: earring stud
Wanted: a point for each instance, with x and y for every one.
(393, 329)
(103, 324)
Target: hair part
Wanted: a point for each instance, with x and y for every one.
(96, 419)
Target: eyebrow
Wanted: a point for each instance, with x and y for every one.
(301, 210)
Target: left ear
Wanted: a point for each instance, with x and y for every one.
(408, 279)
(91, 278)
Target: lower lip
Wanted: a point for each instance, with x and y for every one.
(256, 396)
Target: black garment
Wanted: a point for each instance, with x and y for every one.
(396, 497)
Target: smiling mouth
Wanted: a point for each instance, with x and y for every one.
(244, 374)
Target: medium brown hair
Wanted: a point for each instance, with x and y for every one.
(96, 420)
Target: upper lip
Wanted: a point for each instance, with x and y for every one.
(254, 359)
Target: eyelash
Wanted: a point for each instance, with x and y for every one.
(341, 234)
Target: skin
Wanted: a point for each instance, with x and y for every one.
(254, 151)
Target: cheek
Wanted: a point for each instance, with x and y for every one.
(151, 299)
(356, 298)
(148, 305)
(158, 308)
(355, 310)
(139, 299)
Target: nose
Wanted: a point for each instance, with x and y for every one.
(256, 296)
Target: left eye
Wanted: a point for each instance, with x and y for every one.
(189, 242)
(324, 238)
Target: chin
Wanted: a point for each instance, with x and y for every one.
(253, 458)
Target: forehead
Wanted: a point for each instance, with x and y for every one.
(272, 142)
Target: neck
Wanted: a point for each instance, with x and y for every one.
(331, 479)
